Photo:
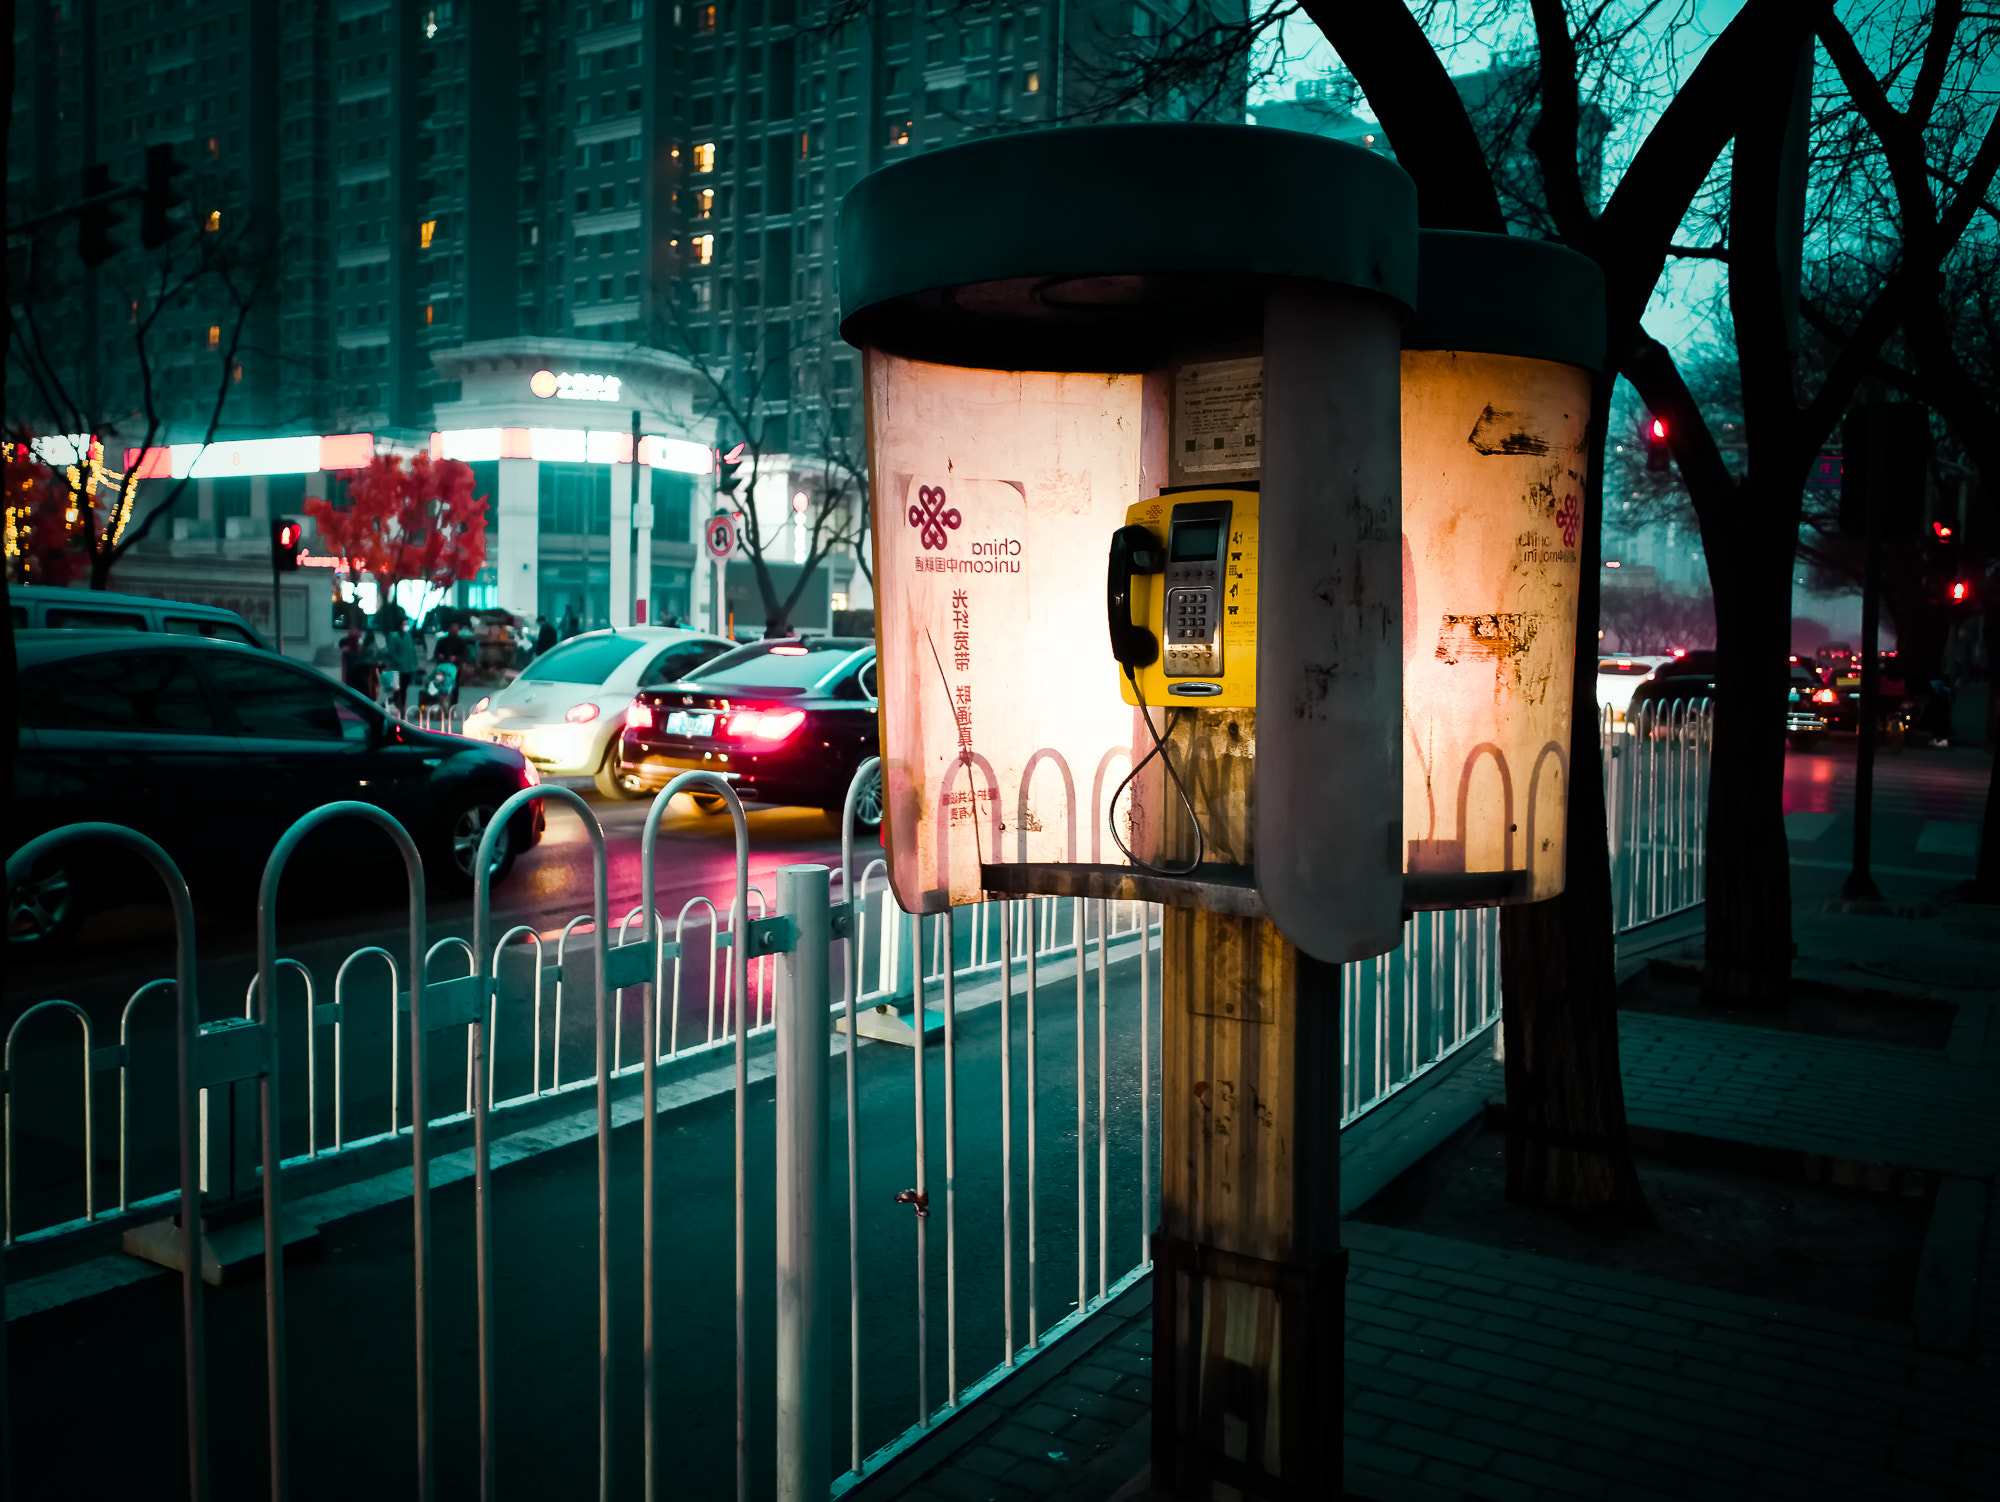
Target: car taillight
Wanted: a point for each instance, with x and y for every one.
(533, 778)
(581, 714)
(639, 716)
(1825, 696)
(770, 728)
(480, 707)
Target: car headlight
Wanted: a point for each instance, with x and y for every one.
(480, 707)
(581, 714)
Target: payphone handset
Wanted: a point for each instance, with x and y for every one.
(1182, 598)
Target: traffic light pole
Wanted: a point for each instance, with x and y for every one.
(277, 605)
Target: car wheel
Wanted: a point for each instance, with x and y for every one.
(710, 803)
(43, 912)
(867, 806)
(459, 848)
(614, 781)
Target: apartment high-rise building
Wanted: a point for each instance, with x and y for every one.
(424, 204)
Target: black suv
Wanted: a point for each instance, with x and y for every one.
(784, 721)
(213, 750)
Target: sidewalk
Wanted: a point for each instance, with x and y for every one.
(1478, 1372)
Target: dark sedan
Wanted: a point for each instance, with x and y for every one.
(784, 721)
(214, 750)
(1691, 677)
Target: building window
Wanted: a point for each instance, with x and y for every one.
(604, 289)
(215, 336)
(899, 131)
(704, 203)
(704, 152)
(631, 284)
(424, 232)
(1031, 81)
(704, 20)
(704, 249)
(214, 221)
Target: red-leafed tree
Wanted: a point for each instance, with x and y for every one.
(422, 522)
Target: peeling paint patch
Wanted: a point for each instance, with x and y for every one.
(1503, 433)
(1314, 689)
(1499, 637)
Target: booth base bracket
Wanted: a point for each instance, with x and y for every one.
(1215, 889)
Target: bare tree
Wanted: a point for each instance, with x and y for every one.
(229, 276)
(751, 402)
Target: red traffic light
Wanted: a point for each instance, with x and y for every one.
(1943, 532)
(1659, 427)
(1960, 590)
(289, 534)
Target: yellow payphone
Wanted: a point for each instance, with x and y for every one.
(1185, 564)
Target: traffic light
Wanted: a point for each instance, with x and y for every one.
(1657, 456)
(1884, 449)
(726, 476)
(162, 197)
(1960, 591)
(288, 538)
(94, 220)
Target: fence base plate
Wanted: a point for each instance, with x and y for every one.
(230, 1254)
(885, 1025)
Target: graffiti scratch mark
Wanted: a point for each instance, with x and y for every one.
(1502, 433)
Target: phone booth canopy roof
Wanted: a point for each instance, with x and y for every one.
(1505, 295)
(1094, 247)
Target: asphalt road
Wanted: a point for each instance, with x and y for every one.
(1925, 831)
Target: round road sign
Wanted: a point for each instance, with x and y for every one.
(720, 535)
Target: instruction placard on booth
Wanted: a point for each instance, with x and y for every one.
(1001, 742)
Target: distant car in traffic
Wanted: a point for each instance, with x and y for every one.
(1618, 673)
(1690, 677)
(43, 607)
(214, 750)
(786, 722)
(567, 708)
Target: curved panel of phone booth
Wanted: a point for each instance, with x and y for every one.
(1497, 391)
(1119, 459)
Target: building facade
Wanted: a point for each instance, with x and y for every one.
(398, 211)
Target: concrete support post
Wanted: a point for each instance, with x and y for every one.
(621, 544)
(805, 1317)
(517, 517)
(1248, 1286)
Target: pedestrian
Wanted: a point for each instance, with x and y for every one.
(350, 655)
(545, 638)
(454, 649)
(399, 655)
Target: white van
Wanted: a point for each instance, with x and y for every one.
(40, 607)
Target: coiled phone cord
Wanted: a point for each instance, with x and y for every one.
(1159, 750)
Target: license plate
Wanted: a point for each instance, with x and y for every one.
(507, 738)
(679, 723)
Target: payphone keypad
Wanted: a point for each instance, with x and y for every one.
(1194, 620)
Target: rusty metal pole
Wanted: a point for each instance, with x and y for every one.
(1248, 1281)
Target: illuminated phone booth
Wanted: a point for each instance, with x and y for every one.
(1497, 373)
(1133, 416)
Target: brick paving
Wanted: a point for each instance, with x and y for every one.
(1478, 1372)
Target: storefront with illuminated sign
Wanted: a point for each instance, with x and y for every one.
(551, 420)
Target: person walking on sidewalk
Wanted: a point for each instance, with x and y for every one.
(545, 638)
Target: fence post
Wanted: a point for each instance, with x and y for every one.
(805, 1326)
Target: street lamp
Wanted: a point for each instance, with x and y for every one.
(1497, 373)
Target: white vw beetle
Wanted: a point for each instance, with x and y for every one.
(567, 709)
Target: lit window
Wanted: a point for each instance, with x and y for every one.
(214, 335)
(430, 310)
(704, 20)
(214, 220)
(425, 231)
(704, 203)
(899, 132)
(1031, 81)
(704, 154)
(704, 249)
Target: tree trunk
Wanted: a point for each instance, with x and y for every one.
(1748, 944)
(1567, 1143)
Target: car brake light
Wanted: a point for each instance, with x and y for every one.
(581, 714)
(772, 727)
(533, 778)
(1825, 696)
(639, 716)
(788, 651)
(480, 707)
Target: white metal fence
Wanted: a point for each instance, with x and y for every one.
(706, 978)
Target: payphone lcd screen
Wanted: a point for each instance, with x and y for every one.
(1195, 541)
